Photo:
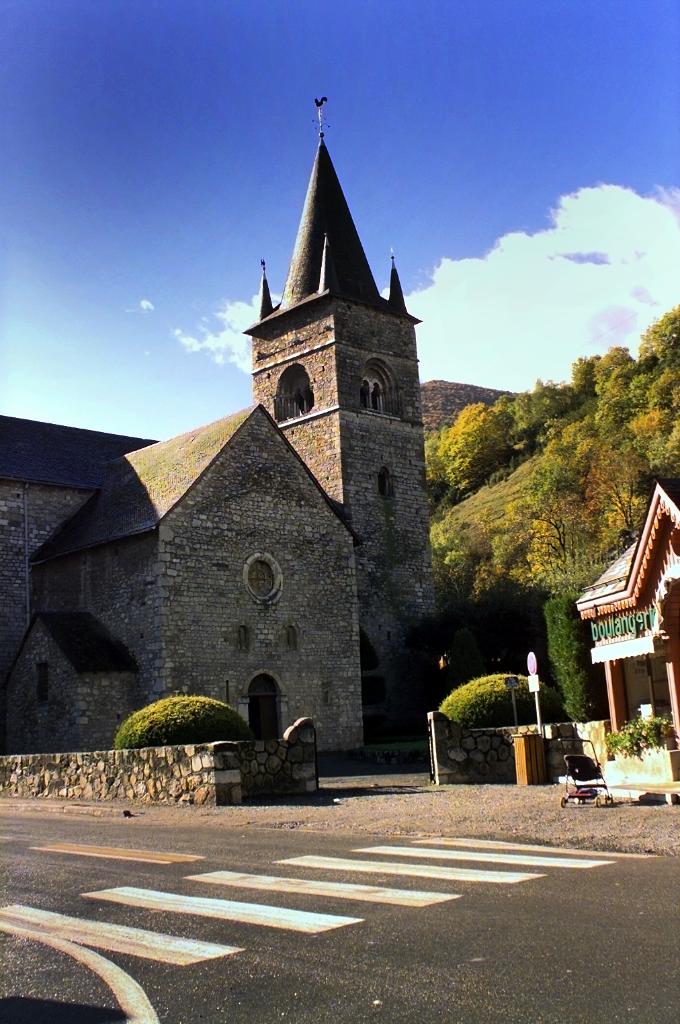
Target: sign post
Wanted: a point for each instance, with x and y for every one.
(534, 687)
(512, 682)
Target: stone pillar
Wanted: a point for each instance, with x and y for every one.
(616, 694)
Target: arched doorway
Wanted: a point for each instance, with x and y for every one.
(263, 713)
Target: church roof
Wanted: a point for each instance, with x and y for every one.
(326, 214)
(141, 487)
(49, 453)
(328, 258)
(86, 643)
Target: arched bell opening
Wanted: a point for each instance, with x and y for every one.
(294, 395)
(378, 390)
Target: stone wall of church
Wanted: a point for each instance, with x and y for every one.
(363, 335)
(28, 512)
(309, 342)
(316, 438)
(77, 712)
(394, 568)
(394, 563)
(217, 637)
(346, 446)
(118, 583)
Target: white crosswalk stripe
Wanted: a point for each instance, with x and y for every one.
(497, 844)
(419, 871)
(119, 853)
(338, 890)
(521, 860)
(169, 949)
(225, 910)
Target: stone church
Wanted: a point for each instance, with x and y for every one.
(276, 558)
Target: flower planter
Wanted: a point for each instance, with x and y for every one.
(653, 767)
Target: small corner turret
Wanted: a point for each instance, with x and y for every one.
(265, 300)
(396, 299)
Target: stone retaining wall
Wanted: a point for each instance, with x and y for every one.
(460, 755)
(208, 773)
(287, 765)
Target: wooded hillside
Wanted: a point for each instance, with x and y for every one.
(533, 496)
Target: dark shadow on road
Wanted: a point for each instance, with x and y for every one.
(342, 778)
(18, 1010)
(335, 766)
(334, 792)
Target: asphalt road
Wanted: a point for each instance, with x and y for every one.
(600, 944)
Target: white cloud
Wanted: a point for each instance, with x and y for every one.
(222, 335)
(605, 268)
(143, 306)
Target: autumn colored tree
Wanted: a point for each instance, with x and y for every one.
(473, 446)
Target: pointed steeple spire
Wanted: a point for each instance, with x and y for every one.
(328, 279)
(266, 307)
(396, 298)
(326, 216)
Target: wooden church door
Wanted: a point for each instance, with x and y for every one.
(263, 713)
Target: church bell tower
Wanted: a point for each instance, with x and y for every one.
(335, 364)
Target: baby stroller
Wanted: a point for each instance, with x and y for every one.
(584, 781)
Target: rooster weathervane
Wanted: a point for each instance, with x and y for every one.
(320, 115)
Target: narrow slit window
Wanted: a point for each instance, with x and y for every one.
(385, 483)
(291, 638)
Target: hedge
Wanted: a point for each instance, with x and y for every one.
(486, 702)
(179, 720)
(569, 654)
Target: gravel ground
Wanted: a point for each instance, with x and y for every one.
(407, 805)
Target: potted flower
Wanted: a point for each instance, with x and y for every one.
(644, 752)
(640, 734)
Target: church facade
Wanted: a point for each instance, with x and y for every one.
(276, 559)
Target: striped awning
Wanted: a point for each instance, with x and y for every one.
(631, 648)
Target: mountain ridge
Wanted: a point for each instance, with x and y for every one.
(442, 400)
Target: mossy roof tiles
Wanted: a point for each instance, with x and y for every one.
(141, 487)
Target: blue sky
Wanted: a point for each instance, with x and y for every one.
(522, 159)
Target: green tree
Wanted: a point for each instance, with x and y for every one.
(474, 446)
(583, 377)
(661, 341)
(535, 412)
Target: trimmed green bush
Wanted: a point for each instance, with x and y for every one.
(568, 650)
(486, 702)
(178, 720)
